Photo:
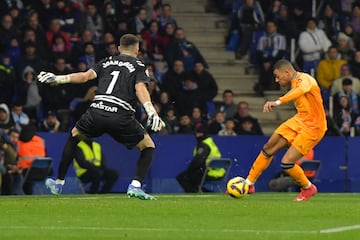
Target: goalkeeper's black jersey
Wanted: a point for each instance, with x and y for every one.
(117, 77)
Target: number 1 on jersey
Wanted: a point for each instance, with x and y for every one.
(115, 75)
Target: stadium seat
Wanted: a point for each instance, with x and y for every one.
(39, 170)
(219, 184)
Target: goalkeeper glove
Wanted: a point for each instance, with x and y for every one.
(154, 121)
(50, 78)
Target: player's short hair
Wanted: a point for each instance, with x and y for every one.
(128, 40)
(283, 63)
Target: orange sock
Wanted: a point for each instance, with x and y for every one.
(260, 164)
(298, 175)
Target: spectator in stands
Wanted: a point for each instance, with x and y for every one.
(169, 33)
(50, 123)
(345, 73)
(217, 124)
(165, 103)
(32, 22)
(227, 106)
(90, 167)
(171, 120)
(78, 47)
(7, 31)
(355, 18)
(286, 25)
(44, 9)
(7, 80)
(352, 96)
(11, 178)
(110, 17)
(154, 41)
(354, 38)
(14, 51)
(153, 9)
(29, 59)
(55, 31)
(229, 129)
(250, 17)
(68, 16)
(166, 17)
(313, 42)
(300, 17)
(355, 64)
(30, 146)
(242, 115)
(205, 81)
(91, 20)
(30, 36)
(185, 50)
(19, 116)
(173, 80)
(190, 96)
(58, 48)
(271, 47)
(197, 116)
(6, 120)
(29, 93)
(58, 98)
(330, 22)
(185, 125)
(205, 149)
(344, 117)
(139, 23)
(328, 70)
(345, 46)
(90, 53)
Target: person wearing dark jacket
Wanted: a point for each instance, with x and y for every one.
(205, 149)
(90, 167)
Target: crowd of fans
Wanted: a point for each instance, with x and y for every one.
(326, 37)
(64, 36)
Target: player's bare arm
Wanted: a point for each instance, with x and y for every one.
(79, 77)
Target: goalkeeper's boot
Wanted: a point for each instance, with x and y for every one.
(53, 187)
(306, 194)
(137, 192)
(251, 189)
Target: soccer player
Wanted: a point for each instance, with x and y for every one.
(299, 134)
(122, 81)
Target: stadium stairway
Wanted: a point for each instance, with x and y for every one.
(208, 31)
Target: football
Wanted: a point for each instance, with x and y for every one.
(237, 188)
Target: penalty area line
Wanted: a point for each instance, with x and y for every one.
(340, 229)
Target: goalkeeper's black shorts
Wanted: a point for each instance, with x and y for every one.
(124, 128)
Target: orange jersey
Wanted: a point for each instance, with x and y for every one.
(308, 102)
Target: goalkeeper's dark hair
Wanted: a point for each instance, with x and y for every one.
(128, 40)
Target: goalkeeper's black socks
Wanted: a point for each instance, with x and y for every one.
(143, 163)
(67, 156)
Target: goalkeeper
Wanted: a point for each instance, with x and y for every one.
(122, 81)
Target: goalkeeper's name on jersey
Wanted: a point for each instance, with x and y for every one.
(119, 63)
(101, 106)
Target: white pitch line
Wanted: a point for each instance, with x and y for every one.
(340, 229)
(323, 231)
(161, 229)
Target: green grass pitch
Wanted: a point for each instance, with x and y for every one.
(204, 216)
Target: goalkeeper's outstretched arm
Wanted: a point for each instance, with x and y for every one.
(79, 77)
